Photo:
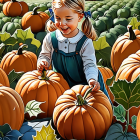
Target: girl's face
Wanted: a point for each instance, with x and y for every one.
(66, 20)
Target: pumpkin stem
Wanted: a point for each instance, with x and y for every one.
(19, 52)
(35, 10)
(43, 75)
(81, 100)
(127, 123)
(13, 1)
(132, 35)
(1, 133)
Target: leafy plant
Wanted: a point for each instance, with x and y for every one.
(102, 51)
(6, 133)
(127, 94)
(46, 133)
(14, 77)
(33, 108)
(134, 22)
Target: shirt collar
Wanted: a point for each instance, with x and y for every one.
(74, 39)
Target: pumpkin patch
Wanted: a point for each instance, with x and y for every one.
(36, 99)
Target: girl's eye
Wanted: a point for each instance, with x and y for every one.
(68, 19)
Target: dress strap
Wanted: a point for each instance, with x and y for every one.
(54, 41)
(80, 44)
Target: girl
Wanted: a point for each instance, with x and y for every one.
(69, 49)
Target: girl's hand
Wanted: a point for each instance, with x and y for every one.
(42, 65)
(93, 83)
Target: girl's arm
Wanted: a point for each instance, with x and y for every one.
(46, 50)
(87, 53)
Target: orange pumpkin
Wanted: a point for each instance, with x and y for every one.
(107, 73)
(43, 88)
(130, 68)
(80, 116)
(138, 125)
(19, 60)
(4, 78)
(34, 19)
(3, 1)
(125, 45)
(11, 108)
(14, 8)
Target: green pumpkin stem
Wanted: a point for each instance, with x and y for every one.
(81, 100)
(1, 133)
(132, 35)
(43, 75)
(35, 10)
(127, 123)
(19, 52)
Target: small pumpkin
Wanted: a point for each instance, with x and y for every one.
(45, 87)
(19, 60)
(107, 73)
(82, 114)
(11, 108)
(130, 68)
(125, 45)
(4, 78)
(34, 19)
(15, 8)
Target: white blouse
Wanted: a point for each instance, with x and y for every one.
(68, 45)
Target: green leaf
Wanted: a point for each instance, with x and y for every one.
(46, 133)
(134, 120)
(10, 41)
(103, 56)
(5, 128)
(22, 35)
(119, 113)
(127, 93)
(2, 48)
(32, 107)
(100, 43)
(134, 22)
(14, 77)
(109, 81)
(4, 36)
(115, 132)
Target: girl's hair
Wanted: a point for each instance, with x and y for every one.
(77, 6)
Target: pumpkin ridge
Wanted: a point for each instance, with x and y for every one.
(6, 82)
(105, 117)
(11, 113)
(78, 123)
(5, 108)
(105, 104)
(16, 98)
(96, 124)
(31, 57)
(10, 57)
(1, 119)
(7, 12)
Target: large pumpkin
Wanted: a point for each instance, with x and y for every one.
(125, 45)
(11, 108)
(4, 78)
(19, 60)
(34, 19)
(15, 8)
(45, 87)
(107, 73)
(130, 68)
(77, 116)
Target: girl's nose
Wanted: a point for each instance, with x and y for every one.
(63, 22)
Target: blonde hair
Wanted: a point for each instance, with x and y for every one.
(77, 6)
